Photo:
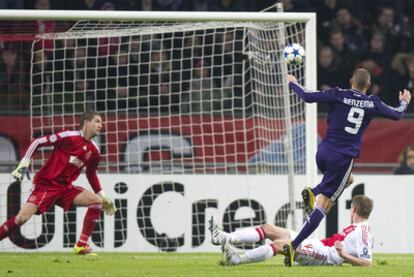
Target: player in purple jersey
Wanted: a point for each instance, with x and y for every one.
(350, 112)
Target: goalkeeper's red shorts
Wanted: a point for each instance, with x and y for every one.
(45, 196)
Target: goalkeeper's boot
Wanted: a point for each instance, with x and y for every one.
(308, 198)
(83, 250)
(289, 253)
(230, 257)
(218, 236)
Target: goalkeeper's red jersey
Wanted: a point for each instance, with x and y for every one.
(71, 153)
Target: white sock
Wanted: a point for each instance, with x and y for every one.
(258, 254)
(247, 235)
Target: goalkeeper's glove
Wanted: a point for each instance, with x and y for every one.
(21, 170)
(107, 205)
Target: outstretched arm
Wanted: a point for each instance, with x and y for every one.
(40, 142)
(395, 112)
(23, 166)
(309, 96)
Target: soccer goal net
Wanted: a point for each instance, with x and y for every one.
(182, 96)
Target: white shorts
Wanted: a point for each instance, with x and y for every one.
(311, 252)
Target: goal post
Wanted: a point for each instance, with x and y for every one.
(311, 109)
(185, 97)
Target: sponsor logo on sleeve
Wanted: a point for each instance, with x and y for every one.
(52, 138)
(365, 253)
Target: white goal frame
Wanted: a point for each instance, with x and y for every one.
(309, 19)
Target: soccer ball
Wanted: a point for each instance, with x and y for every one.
(294, 54)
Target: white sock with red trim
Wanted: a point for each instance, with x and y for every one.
(258, 254)
(247, 235)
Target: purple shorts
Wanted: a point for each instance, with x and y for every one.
(336, 168)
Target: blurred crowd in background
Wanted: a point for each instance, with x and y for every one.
(374, 34)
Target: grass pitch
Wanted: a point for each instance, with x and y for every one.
(173, 264)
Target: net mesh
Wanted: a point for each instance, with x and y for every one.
(176, 98)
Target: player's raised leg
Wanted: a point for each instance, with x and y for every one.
(309, 199)
(246, 235)
(312, 222)
(25, 213)
(337, 171)
(94, 203)
(309, 196)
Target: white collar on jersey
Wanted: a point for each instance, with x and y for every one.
(357, 91)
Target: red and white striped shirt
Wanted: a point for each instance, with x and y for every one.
(356, 239)
(71, 153)
(338, 237)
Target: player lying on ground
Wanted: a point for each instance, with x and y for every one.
(350, 112)
(73, 150)
(353, 245)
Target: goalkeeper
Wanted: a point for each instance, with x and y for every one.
(73, 151)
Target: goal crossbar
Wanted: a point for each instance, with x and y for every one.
(63, 15)
(112, 31)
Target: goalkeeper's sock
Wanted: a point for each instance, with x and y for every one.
(258, 254)
(7, 227)
(310, 225)
(91, 217)
(248, 235)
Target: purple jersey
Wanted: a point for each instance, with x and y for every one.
(350, 113)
